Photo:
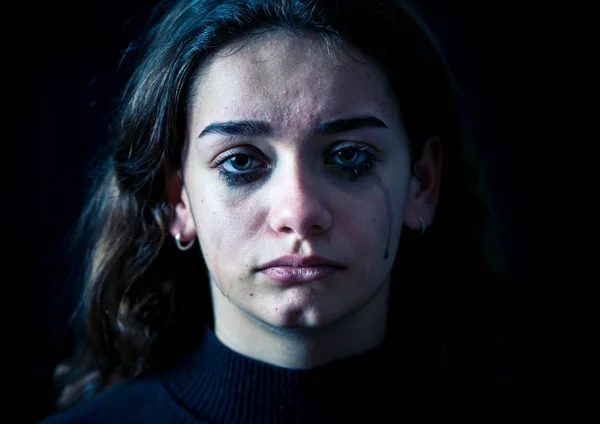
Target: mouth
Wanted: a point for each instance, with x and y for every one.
(295, 269)
(299, 274)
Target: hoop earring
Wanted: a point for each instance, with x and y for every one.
(423, 227)
(181, 246)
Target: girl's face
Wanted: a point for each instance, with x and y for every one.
(296, 181)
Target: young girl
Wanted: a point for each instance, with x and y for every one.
(287, 228)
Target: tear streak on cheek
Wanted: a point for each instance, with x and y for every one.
(388, 207)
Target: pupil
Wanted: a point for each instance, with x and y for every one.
(348, 155)
(241, 161)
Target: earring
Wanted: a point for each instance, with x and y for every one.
(423, 227)
(181, 246)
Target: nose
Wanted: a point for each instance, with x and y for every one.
(297, 203)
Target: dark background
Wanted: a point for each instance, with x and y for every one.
(61, 77)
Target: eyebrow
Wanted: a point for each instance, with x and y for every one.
(335, 126)
(238, 128)
(248, 128)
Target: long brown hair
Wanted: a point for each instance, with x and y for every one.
(141, 294)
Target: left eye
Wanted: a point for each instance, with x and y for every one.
(350, 156)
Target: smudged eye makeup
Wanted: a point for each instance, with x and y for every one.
(238, 169)
(241, 167)
(353, 160)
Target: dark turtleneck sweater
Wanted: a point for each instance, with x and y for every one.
(217, 385)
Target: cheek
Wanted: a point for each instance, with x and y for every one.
(224, 234)
(226, 225)
(376, 219)
(366, 217)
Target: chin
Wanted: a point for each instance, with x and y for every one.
(310, 316)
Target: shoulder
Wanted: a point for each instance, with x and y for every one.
(144, 401)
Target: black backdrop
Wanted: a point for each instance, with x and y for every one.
(61, 76)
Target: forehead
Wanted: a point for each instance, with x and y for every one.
(287, 80)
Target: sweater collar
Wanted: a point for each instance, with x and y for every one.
(221, 385)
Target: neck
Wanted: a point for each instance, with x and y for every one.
(301, 348)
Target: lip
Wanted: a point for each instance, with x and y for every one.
(297, 269)
(300, 261)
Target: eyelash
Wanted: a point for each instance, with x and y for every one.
(354, 172)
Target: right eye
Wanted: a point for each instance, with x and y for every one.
(238, 162)
(238, 168)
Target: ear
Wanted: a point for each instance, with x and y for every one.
(424, 188)
(183, 220)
